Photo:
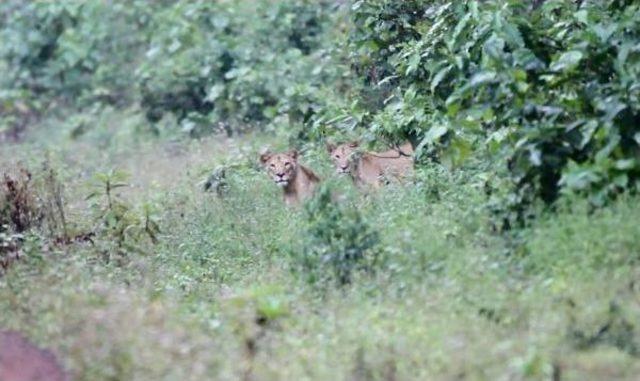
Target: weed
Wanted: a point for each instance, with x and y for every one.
(18, 213)
(51, 202)
(116, 219)
(339, 242)
(18, 209)
(613, 328)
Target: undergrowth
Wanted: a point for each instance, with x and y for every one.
(415, 284)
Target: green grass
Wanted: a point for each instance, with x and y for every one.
(219, 296)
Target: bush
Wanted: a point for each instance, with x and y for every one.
(66, 50)
(239, 63)
(338, 243)
(18, 213)
(126, 228)
(18, 206)
(546, 91)
(546, 88)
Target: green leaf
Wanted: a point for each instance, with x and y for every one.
(567, 61)
(410, 94)
(451, 42)
(587, 132)
(91, 195)
(453, 106)
(440, 76)
(612, 108)
(387, 79)
(582, 16)
(604, 32)
(535, 156)
(513, 35)
(435, 133)
(414, 62)
(215, 92)
(625, 164)
(494, 47)
(458, 152)
(482, 78)
(579, 178)
(621, 180)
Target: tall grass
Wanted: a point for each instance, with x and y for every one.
(221, 295)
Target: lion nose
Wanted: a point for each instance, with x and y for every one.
(344, 167)
(280, 174)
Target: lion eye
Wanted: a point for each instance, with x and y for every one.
(337, 156)
(287, 164)
(272, 165)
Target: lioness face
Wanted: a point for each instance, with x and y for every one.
(280, 166)
(342, 156)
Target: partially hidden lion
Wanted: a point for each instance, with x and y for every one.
(297, 181)
(372, 168)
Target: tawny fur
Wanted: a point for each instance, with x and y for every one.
(297, 181)
(372, 168)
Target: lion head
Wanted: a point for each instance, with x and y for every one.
(343, 156)
(281, 167)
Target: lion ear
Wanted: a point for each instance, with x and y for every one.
(354, 144)
(330, 147)
(265, 156)
(294, 154)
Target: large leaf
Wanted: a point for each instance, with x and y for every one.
(567, 61)
(435, 133)
(440, 76)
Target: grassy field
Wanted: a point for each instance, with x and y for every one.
(223, 289)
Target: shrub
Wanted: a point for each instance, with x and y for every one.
(236, 62)
(18, 214)
(71, 49)
(546, 88)
(239, 64)
(18, 208)
(338, 243)
(117, 221)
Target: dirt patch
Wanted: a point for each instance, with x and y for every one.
(22, 361)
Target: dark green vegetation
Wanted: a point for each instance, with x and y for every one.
(513, 254)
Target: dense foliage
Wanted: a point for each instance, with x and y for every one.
(71, 50)
(137, 243)
(339, 242)
(241, 64)
(548, 88)
(545, 91)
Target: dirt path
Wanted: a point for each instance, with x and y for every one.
(22, 361)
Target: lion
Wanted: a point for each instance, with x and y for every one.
(297, 181)
(372, 168)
